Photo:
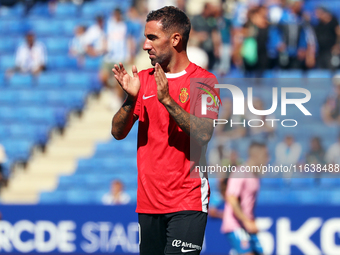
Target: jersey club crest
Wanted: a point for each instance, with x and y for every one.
(184, 95)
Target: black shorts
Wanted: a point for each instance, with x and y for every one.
(172, 233)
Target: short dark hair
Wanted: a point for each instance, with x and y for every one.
(172, 19)
(256, 144)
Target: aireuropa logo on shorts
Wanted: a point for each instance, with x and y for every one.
(238, 98)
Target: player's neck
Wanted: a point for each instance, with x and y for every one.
(178, 63)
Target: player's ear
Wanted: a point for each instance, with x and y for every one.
(176, 38)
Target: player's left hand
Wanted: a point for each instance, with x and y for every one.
(162, 85)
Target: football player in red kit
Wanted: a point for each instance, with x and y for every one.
(171, 205)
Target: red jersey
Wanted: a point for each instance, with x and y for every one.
(163, 154)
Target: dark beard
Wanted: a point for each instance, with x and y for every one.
(163, 60)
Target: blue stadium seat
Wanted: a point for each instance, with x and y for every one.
(307, 197)
(45, 27)
(302, 183)
(2, 80)
(39, 10)
(29, 97)
(55, 197)
(126, 146)
(6, 62)
(335, 197)
(69, 26)
(330, 182)
(4, 132)
(289, 74)
(7, 45)
(66, 9)
(100, 164)
(49, 80)
(18, 149)
(21, 81)
(81, 196)
(92, 9)
(270, 197)
(78, 80)
(272, 183)
(61, 62)
(319, 74)
(47, 115)
(14, 27)
(8, 115)
(31, 132)
(7, 97)
(92, 63)
(56, 45)
(73, 99)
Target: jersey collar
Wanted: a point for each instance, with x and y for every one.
(175, 75)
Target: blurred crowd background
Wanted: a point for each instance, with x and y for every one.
(55, 64)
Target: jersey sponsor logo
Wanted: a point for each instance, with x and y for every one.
(176, 243)
(184, 95)
(185, 251)
(186, 247)
(144, 97)
(215, 101)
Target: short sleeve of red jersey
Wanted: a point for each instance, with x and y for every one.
(206, 101)
(137, 106)
(138, 102)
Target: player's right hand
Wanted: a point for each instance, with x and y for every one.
(130, 85)
(250, 226)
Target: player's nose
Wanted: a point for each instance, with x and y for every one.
(147, 45)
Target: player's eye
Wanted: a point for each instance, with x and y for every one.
(152, 37)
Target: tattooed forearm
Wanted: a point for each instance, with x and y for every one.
(200, 129)
(123, 120)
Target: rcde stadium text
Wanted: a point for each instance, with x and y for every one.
(105, 237)
(26, 236)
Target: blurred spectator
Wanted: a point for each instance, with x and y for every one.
(275, 10)
(95, 38)
(261, 44)
(316, 154)
(328, 36)
(30, 57)
(238, 222)
(77, 46)
(293, 52)
(204, 31)
(117, 51)
(157, 4)
(135, 31)
(229, 131)
(3, 159)
(288, 151)
(254, 48)
(198, 56)
(224, 26)
(260, 133)
(333, 153)
(116, 196)
(330, 111)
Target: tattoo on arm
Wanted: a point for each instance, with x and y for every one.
(123, 120)
(200, 129)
